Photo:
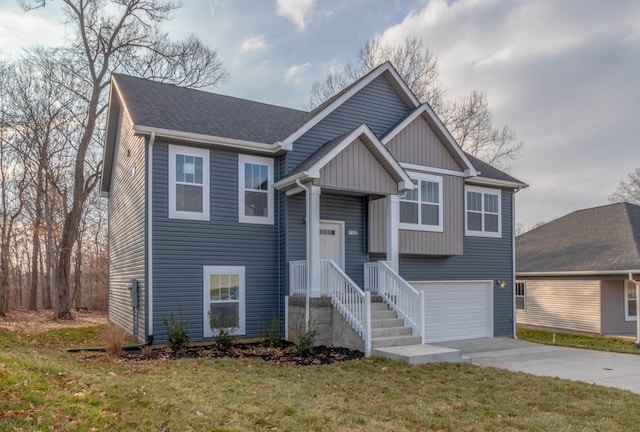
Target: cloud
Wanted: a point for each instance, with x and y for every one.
(253, 43)
(295, 74)
(22, 30)
(296, 10)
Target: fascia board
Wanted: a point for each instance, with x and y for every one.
(209, 139)
(495, 182)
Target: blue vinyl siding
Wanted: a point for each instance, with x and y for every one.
(484, 259)
(181, 248)
(378, 105)
(351, 210)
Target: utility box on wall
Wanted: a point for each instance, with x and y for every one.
(133, 288)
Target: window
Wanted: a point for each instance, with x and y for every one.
(421, 208)
(255, 182)
(224, 297)
(483, 212)
(521, 295)
(630, 302)
(188, 183)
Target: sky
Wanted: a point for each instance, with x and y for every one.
(564, 74)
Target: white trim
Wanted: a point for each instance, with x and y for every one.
(430, 169)
(341, 238)
(211, 270)
(210, 139)
(257, 160)
(627, 286)
(196, 152)
(386, 67)
(419, 226)
(313, 225)
(392, 204)
(149, 277)
(577, 273)
(425, 108)
(483, 191)
(484, 181)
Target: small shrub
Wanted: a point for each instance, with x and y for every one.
(113, 339)
(271, 334)
(307, 340)
(177, 335)
(224, 334)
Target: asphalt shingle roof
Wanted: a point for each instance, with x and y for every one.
(488, 171)
(167, 106)
(597, 239)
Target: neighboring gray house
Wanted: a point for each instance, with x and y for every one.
(239, 208)
(578, 272)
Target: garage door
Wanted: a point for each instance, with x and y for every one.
(457, 310)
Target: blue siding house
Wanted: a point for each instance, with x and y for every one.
(362, 216)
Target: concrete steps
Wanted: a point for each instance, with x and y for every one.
(391, 339)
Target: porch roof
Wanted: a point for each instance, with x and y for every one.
(369, 157)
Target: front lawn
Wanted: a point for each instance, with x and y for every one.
(600, 343)
(44, 388)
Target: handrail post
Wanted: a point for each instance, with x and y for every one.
(367, 321)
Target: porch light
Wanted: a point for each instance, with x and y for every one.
(500, 283)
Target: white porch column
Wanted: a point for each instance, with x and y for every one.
(314, 239)
(392, 209)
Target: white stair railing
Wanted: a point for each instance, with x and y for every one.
(353, 303)
(371, 277)
(402, 297)
(297, 277)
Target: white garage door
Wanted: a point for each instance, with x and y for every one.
(457, 310)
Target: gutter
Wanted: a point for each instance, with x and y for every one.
(209, 139)
(494, 182)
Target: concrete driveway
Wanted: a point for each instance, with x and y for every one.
(595, 367)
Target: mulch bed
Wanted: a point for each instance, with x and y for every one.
(286, 353)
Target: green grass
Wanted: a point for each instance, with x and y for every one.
(44, 388)
(600, 343)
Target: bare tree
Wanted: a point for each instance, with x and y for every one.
(468, 119)
(105, 37)
(628, 191)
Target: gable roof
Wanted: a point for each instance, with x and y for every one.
(310, 167)
(600, 239)
(191, 111)
(333, 103)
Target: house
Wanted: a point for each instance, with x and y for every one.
(579, 272)
(244, 210)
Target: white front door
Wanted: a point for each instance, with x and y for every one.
(332, 241)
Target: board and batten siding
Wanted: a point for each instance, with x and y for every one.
(356, 169)
(127, 198)
(612, 304)
(562, 304)
(348, 209)
(377, 104)
(417, 144)
(181, 248)
(446, 243)
(484, 258)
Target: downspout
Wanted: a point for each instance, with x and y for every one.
(637, 317)
(149, 278)
(308, 253)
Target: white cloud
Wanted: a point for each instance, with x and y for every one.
(19, 30)
(295, 74)
(296, 10)
(253, 43)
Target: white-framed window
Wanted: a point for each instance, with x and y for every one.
(521, 295)
(255, 189)
(188, 183)
(421, 208)
(224, 297)
(483, 215)
(630, 302)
